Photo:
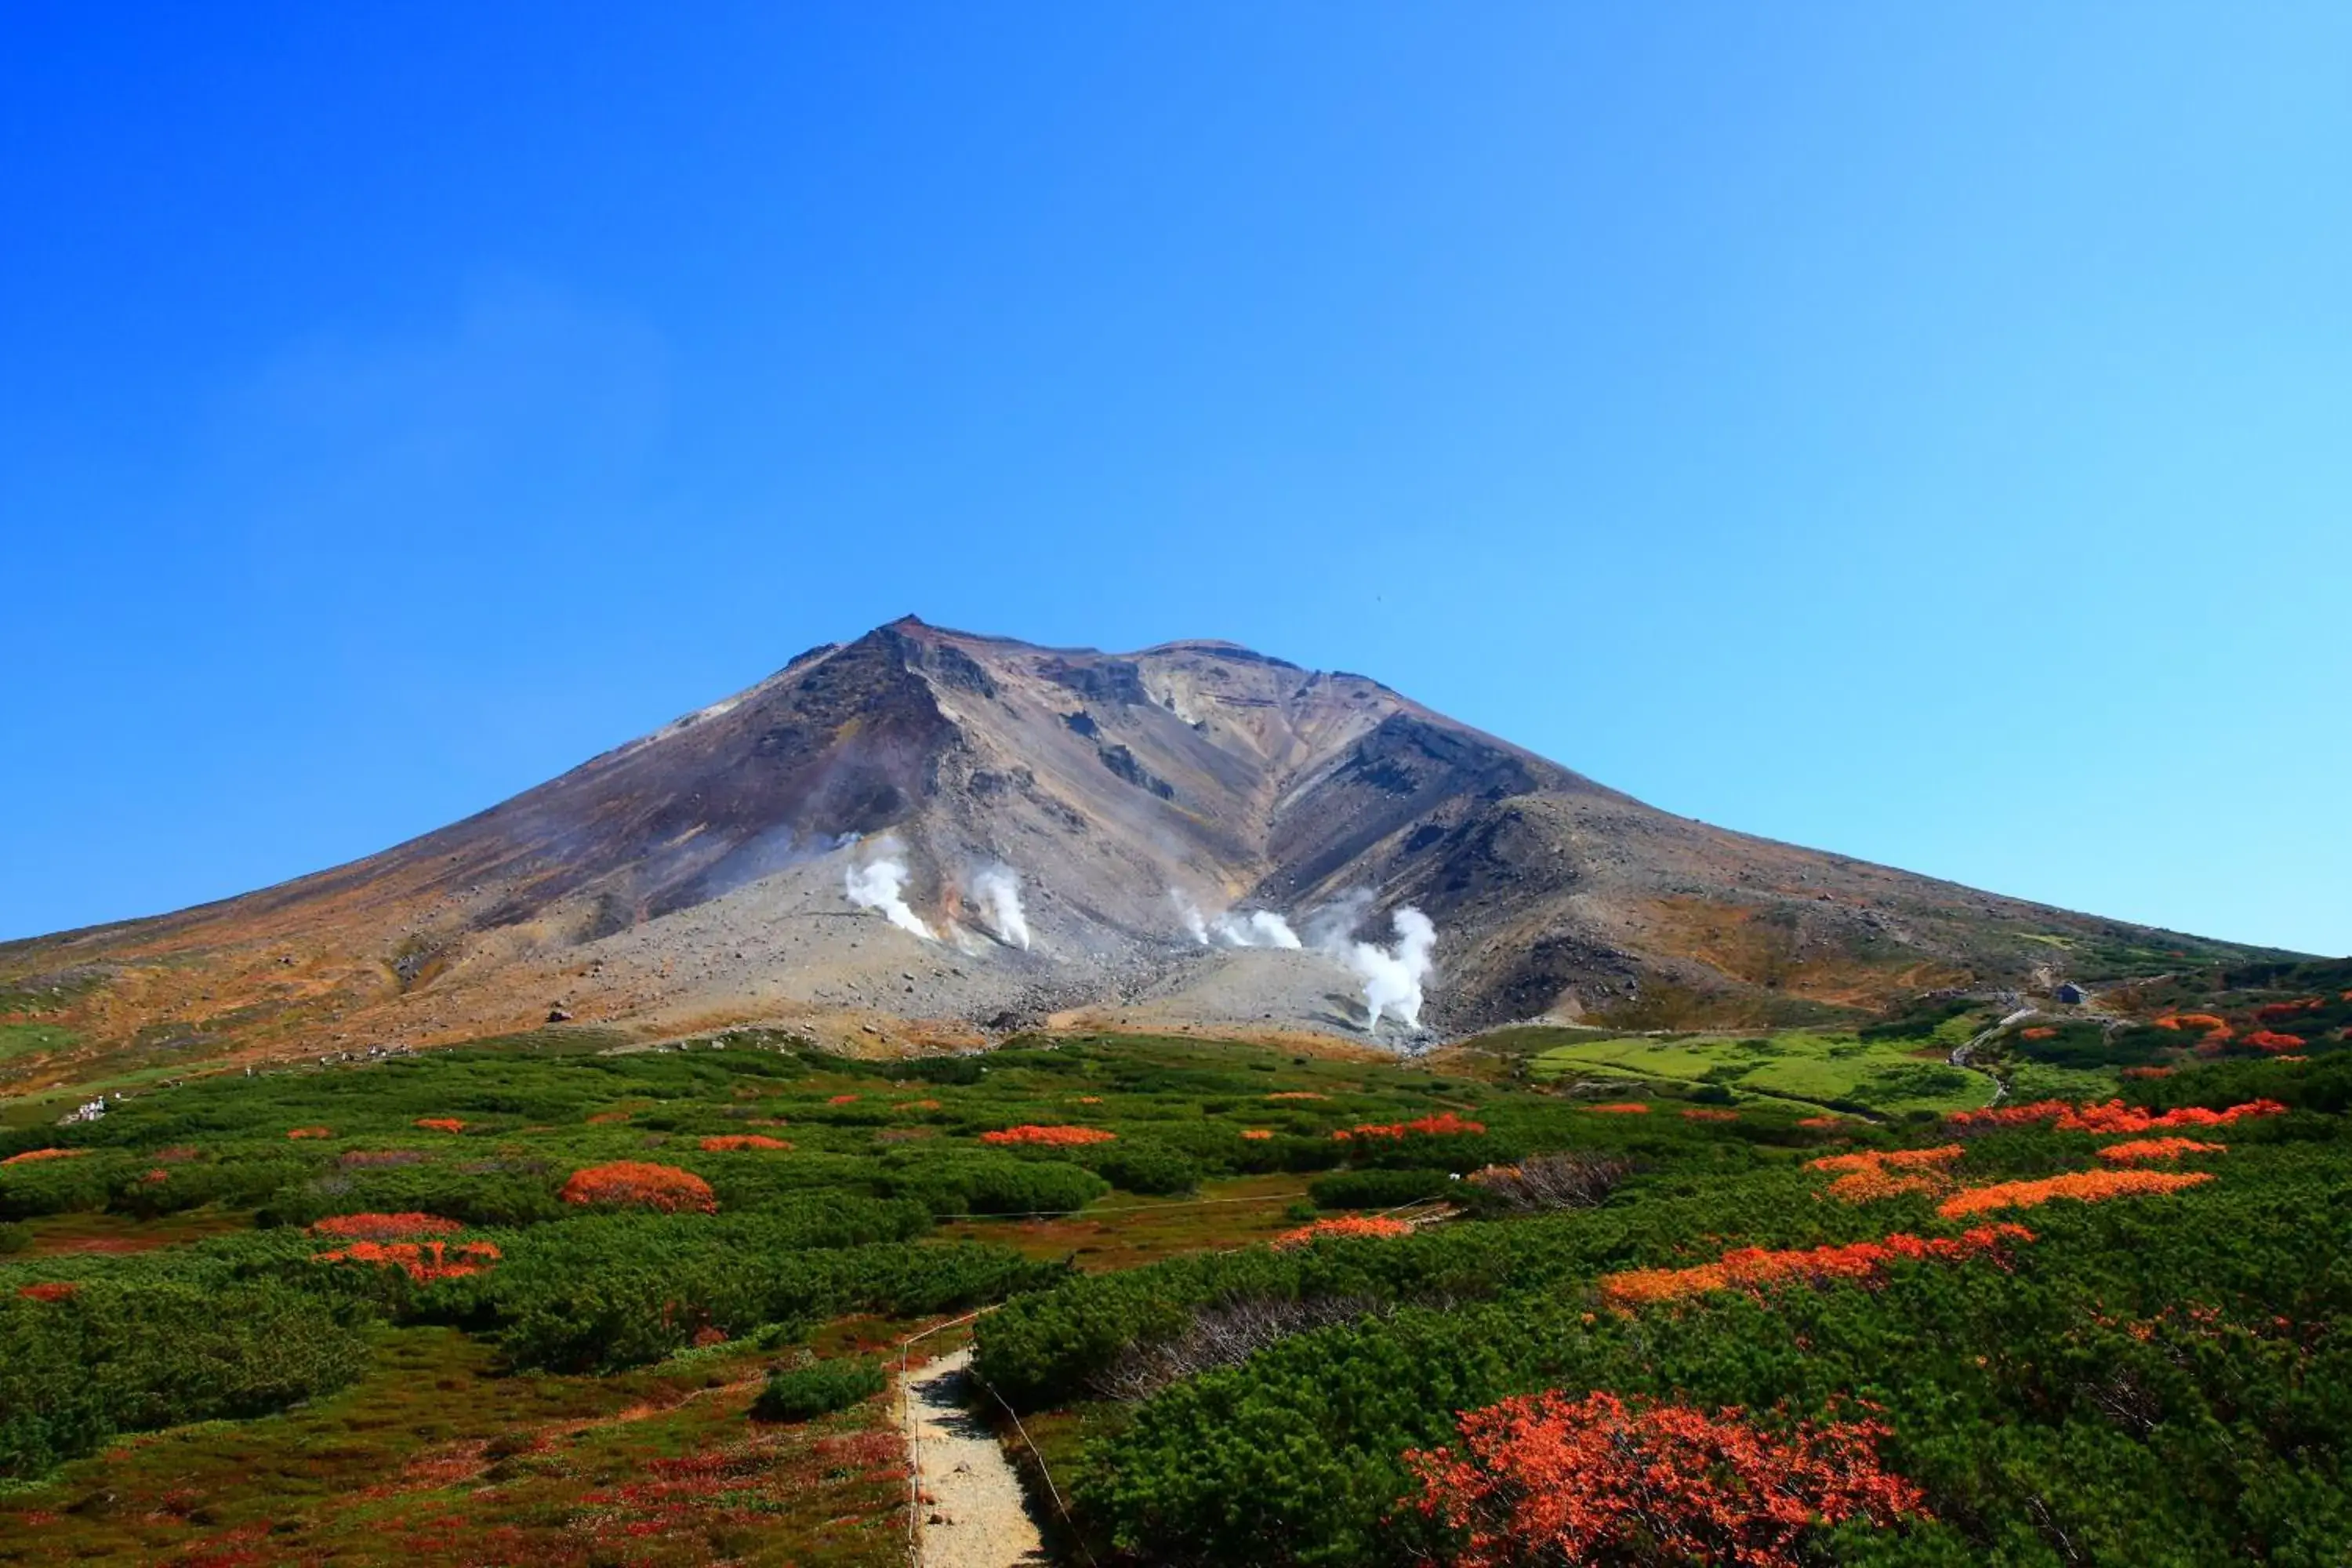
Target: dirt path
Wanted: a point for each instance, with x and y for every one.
(970, 1512)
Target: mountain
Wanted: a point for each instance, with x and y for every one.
(697, 876)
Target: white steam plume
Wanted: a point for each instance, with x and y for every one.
(1259, 928)
(1393, 977)
(881, 883)
(1190, 913)
(998, 889)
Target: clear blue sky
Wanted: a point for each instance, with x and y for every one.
(1923, 432)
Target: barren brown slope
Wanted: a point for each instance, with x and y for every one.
(695, 877)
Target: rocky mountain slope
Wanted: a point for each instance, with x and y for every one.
(1063, 836)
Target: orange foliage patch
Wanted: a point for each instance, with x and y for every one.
(916, 1105)
(1089, 1099)
(2115, 1119)
(2272, 1040)
(49, 1290)
(423, 1261)
(1256, 1135)
(1753, 1268)
(2272, 1011)
(636, 1183)
(311, 1133)
(1822, 1121)
(33, 1156)
(2082, 1186)
(2213, 1029)
(2040, 1032)
(1622, 1108)
(1600, 1479)
(1445, 1124)
(842, 1099)
(2158, 1149)
(2147, 1072)
(1352, 1225)
(1874, 1174)
(1049, 1137)
(385, 1226)
(1694, 1114)
(440, 1124)
(608, 1118)
(742, 1142)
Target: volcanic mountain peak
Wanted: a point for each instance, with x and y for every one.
(923, 832)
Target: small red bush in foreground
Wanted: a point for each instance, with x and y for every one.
(1874, 1174)
(1622, 1108)
(1049, 1137)
(1546, 1479)
(636, 1183)
(440, 1124)
(385, 1226)
(311, 1133)
(50, 1290)
(738, 1143)
(2272, 1040)
(1445, 1124)
(842, 1099)
(1351, 1225)
(32, 1156)
(2082, 1186)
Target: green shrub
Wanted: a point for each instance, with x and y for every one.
(15, 1238)
(1137, 1167)
(799, 1392)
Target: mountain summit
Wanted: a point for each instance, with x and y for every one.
(930, 835)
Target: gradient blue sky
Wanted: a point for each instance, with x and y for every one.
(1921, 432)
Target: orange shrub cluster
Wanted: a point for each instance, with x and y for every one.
(1256, 1135)
(2272, 1040)
(1752, 1268)
(1049, 1137)
(635, 1184)
(1351, 1225)
(2114, 1118)
(2147, 1072)
(1696, 1114)
(2082, 1186)
(2213, 1029)
(1622, 1108)
(2158, 1149)
(31, 1156)
(423, 1261)
(1089, 1099)
(1600, 1479)
(2040, 1032)
(1822, 1121)
(1874, 1174)
(440, 1124)
(842, 1099)
(385, 1226)
(1297, 1094)
(916, 1105)
(742, 1142)
(1445, 1124)
(2269, 1012)
(49, 1290)
(311, 1133)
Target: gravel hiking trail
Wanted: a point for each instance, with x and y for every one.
(969, 1510)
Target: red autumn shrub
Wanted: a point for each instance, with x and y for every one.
(843, 1099)
(1049, 1137)
(1875, 1174)
(440, 1124)
(2040, 1032)
(2158, 1149)
(2271, 1012)
(636, 1183)
(1754, 1269)
(2082, 1186)
(1445, 1124)
(1370, 1225)
(1622, 1108)
(48, 1290)
(2113, 1119)
(1694, 1114)
(311, 1133)
(2272, 1040)
(2147, 1072)
(423, 1261)
(1545, 1478)
(1256, 1135)
(2205, 1021)
(1821, 1122)
(385, 1226)
(33, 1156)
(742, 1142)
